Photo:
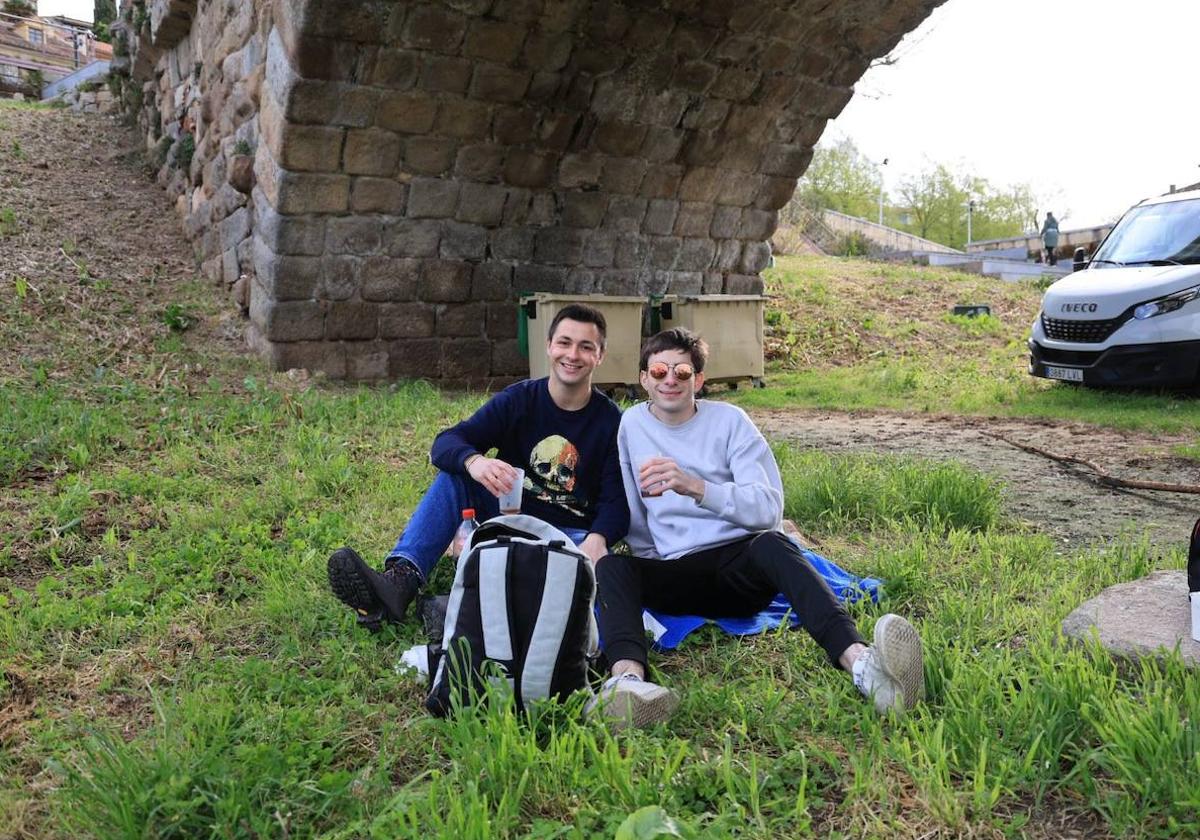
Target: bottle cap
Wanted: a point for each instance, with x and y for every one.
(468, 513)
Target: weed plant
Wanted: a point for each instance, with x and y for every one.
(849, 493)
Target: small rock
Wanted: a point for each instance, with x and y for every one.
(241, 173)
(241, 293)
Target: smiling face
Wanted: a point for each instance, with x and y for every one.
(672, 398)
(574, 351)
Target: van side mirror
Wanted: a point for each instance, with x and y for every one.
(1080, 260)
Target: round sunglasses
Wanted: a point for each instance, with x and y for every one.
(659, 370)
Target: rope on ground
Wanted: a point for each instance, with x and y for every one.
(1101, 475)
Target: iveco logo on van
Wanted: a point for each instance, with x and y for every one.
(1079, 307)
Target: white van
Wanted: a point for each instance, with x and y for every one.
(1131, 317)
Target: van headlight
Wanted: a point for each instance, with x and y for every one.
(1166, 304)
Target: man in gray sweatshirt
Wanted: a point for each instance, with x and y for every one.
(706, 506)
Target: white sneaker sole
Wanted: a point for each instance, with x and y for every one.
(637, 709)
(898, 647)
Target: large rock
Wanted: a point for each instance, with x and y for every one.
(1144, 617)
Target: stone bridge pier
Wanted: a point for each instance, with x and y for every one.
(418, 164)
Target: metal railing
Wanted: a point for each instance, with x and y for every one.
(59, 50)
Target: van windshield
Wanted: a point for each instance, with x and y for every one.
(1157, 234)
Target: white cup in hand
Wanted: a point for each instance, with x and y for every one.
(510, 502)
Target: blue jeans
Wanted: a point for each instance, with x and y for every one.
(438, 515)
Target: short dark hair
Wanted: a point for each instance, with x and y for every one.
(585, 315)
(676, 339)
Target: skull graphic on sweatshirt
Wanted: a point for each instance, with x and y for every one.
(551, 473)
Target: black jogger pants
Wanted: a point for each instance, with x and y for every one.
(736, 579)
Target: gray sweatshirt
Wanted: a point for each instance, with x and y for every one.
(743, 493)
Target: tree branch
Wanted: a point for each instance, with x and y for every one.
(1101, 475)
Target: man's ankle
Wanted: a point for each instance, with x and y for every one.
(630, 667)
(851, 655)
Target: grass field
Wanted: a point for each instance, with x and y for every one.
(174, 666)
(849, 334)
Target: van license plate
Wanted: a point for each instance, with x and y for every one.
(1066, 374)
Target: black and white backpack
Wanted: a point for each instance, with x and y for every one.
(520, 611)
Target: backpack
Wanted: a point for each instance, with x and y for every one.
(520, 611)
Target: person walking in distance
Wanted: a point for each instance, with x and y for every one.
(1050, 238)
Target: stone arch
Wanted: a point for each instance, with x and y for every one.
(420, 163)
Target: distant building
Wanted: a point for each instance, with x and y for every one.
(36, 50)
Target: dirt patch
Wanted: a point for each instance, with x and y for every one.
(93, 255)
(1058, 499)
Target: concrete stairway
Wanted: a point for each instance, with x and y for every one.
(1012, 270)
(898, 245)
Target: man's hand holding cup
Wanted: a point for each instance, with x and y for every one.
(657, 475)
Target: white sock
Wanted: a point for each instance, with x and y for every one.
(861, 675)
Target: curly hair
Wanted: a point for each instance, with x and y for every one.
(677, 339)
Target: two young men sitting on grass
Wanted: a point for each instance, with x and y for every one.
(704, 501)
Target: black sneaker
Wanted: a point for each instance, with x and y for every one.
(376, 596)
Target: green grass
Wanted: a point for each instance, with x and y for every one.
(178, 668)
(173, 665)
(839, 493)
(28, 105)
(965, 386)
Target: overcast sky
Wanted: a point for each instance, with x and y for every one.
(1091, 102)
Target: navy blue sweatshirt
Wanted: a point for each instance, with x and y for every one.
(572, 470)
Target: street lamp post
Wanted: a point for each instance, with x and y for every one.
(970, 212)
(884, 163)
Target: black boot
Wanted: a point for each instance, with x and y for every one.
(376, 596)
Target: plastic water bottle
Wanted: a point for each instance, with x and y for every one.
(1193, 574)
(463, 535)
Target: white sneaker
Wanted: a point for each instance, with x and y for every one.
(892, 671)
(628, 700)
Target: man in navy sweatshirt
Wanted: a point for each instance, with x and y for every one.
(561, 430)
(706, 505)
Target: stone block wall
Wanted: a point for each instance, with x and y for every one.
(93, 99)
(416, 165)
(190, 75)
